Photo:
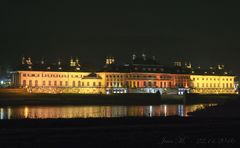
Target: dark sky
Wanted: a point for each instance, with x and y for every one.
(198, 31)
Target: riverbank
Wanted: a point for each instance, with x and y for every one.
(19, 99)
(120, 132)
(230, 109)
(80, 99)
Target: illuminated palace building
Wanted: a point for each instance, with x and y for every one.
(142, 75)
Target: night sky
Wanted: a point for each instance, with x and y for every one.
(198, 31)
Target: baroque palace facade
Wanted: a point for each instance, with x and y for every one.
(143, 75)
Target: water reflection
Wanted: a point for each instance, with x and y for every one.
(41, 112)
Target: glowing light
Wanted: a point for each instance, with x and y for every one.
(165, 110)
(26, 112)
(150, 110)
(1, 113)
(9, 113)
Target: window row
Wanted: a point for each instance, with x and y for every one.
(218, 79)
(213, 85)
(130, 76)
(35, 83)
(52, 75)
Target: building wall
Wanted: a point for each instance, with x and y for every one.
(137, 82)
(208, 84)
(120, 82)
(48, 79)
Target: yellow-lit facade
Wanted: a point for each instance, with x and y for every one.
(100, 83)
(212, 84)
(58, 82)
(121, 82)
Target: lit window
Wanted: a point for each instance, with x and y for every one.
(24, 83)
(149, 84)
(144, 83)
(30, 83)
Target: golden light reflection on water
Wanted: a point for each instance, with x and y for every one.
(25, 112)
(42, 112)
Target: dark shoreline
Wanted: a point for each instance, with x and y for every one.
(120, 132)
(8, 99)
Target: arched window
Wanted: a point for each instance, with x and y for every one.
(145, 84)
(73, 83)
(44, 83)
(30, 83)
(149, 84)
(24, 83)
(36, 83)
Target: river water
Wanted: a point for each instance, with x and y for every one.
(43, 112)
